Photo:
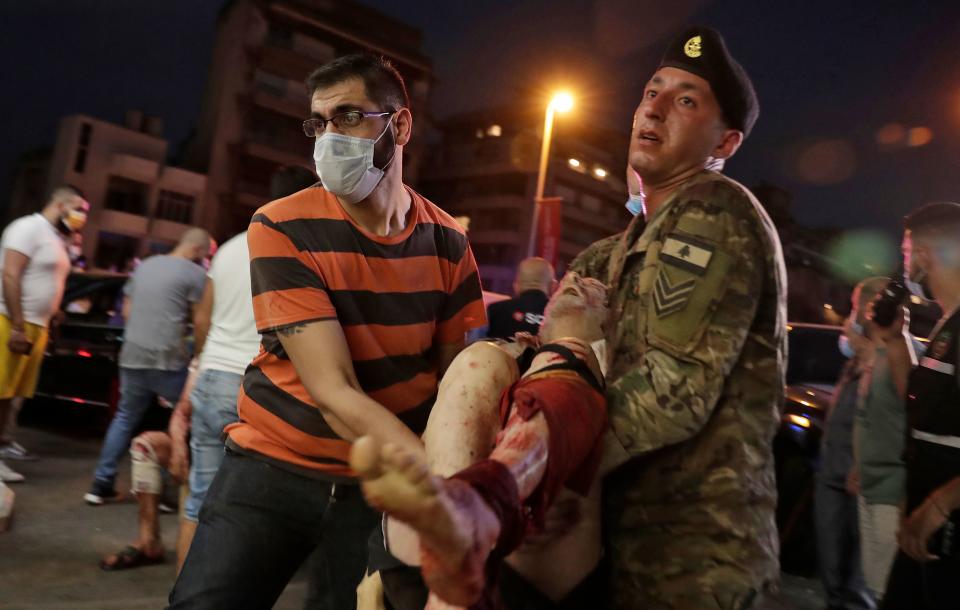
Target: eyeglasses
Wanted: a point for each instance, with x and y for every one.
(314, 128)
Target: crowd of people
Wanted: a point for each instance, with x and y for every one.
(609, 444)
(887, 489)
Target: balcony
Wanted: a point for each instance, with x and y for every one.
(281, 104)
(271, 153)
(135, 168)
(182, 180)
(167, 230)
(608, 220)
(251, 194)
(121, 222)
(287, 63)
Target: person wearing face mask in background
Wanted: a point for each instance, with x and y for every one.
(925, 571)
(35, 270)
(363, 292)
(159, 299)
(835, 498)
(877, 477)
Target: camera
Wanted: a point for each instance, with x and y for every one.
(888, 303)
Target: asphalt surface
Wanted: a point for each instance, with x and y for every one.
(49, 558)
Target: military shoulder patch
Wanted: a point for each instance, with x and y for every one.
(687, 253)
(669, 297)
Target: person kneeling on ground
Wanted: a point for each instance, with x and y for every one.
(151, 453)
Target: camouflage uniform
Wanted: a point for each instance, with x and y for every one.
(697, 354)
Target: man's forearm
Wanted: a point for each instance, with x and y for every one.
(947, 496)
(201, 328)
(353, 414)
(12, 299)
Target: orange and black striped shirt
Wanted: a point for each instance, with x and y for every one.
(395, 298)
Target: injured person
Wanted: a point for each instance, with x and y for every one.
(510, 474)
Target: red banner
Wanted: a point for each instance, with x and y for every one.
(548, 229)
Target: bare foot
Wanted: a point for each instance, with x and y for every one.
(457, 529)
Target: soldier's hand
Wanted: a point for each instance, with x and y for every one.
(916, 530)
(18, 343)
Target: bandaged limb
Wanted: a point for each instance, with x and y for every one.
(554, 420)
(150, 456)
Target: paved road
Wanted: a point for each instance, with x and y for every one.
(48, 561)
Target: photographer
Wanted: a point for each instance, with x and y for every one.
(926, 568)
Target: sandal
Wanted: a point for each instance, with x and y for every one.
(129, 557)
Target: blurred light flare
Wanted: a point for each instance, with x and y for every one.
(562, 102)
(856, 254)
(919, 136)
(799, 420)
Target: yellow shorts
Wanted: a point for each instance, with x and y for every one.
(19, 373)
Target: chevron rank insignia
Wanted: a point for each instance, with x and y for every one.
(687, 253)
(670, 298)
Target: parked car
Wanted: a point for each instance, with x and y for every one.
(813, 367)
(80, 364)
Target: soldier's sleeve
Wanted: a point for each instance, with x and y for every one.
(592, 262)
(703, 286)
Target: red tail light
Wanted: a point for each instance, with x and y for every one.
(84, 353)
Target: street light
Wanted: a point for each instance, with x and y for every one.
(560, 102)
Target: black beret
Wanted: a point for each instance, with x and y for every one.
(700, 50)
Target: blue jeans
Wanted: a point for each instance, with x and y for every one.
(258, 524)
(214, 401)
(838, 548)
(139, 389)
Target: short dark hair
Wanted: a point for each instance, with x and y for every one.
(288, 180)
(940, 219)
(61, 189)
(382, 81)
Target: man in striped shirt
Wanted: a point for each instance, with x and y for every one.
(362, 292)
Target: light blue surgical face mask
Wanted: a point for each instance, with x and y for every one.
(845, 348)
(345, 164)
(635, 205)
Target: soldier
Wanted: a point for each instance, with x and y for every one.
(924, 573)
(696, 347)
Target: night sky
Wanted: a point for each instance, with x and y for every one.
(829, 76)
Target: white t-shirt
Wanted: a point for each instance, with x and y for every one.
(233, 339)
(47, 270)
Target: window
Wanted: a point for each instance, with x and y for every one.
(115, 251)
(279, 36)
(270, 83)
(126, 195)
(175, 206)
(159, 247)
(80, 161)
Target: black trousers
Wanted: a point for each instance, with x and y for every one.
(258, 524)
(934, 585)
(404, 589)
